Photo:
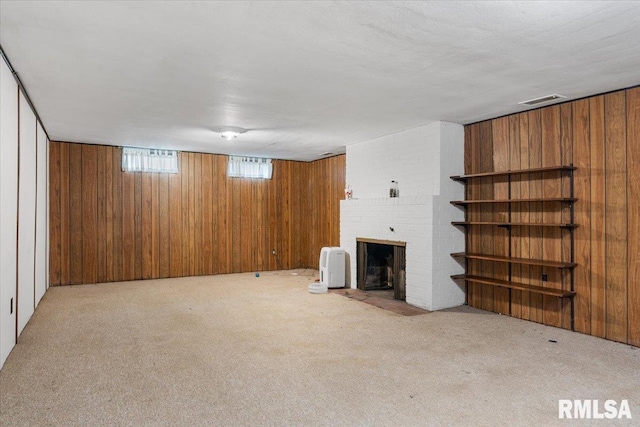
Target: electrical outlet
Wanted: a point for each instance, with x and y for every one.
(544, 277)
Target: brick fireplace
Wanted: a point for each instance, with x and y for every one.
(421, 160)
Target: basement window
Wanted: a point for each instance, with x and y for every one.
(249, 167)
(149, 160)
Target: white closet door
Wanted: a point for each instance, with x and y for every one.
(26, 214)
(41, 215)
(8, 209)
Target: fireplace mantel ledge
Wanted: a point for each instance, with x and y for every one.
(390, 201)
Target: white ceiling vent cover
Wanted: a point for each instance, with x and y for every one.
(543, 99)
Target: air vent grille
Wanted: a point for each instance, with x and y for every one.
(542, 99)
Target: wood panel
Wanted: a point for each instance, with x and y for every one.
(246, 232)
(486, 213)
(598, 220)
(582, 235)
(89, 229)
(75, 211)
(633, 167)
(535, 213)
(566, 158)
(224, 224)
(215, 253)
(116, 174)
(155, 230)
(65, 266)
(109, 185)
(274, 262)
(54, 215)
(474, 290)
(519, 273)
(191, 200)
(164, 242)
(234, 211)
(524, 233)
(185, 234)
(616, 214)
(304, 214)
(500, 136)
(197, 220)
(257, 213)
(127, 226)
(286, 213)
(207, 215)
(295, 255)
(600, 136)
(146, 225)
(325, 183)
(175, 224)
(551, 236)
(101, 213)
(139, 226)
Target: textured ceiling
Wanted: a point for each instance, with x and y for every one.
(304, 77)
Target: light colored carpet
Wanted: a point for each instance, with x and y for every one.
(239, 350)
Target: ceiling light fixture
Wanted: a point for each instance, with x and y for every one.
(230, 132)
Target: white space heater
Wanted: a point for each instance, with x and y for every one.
(332, 261)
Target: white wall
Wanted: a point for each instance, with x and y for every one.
(24, 188)
(8, 208)
(26, 214)
(421, 160)
(405, 157)
(42, 209)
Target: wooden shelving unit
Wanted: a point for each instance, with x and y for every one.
(513, 260)
(515, 224)
(506, 206)
(474, 202)
(464, 178)
(514, 285)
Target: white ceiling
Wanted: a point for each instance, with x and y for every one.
(304, 77)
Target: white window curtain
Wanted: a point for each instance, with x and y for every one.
(149, 160)
(249, 167)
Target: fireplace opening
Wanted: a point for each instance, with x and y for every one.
(381, 267)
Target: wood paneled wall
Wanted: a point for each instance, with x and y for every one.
(600, 135)
(108, 225)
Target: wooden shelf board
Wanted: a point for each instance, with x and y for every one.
(463, 178)
(514, 285)
(513, 260)
(514, 224)
(469, 202)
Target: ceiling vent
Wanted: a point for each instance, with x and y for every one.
(542, 99)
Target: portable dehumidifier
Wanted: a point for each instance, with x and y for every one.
(332, 265)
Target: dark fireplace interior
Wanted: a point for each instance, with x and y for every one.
(381, 267)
